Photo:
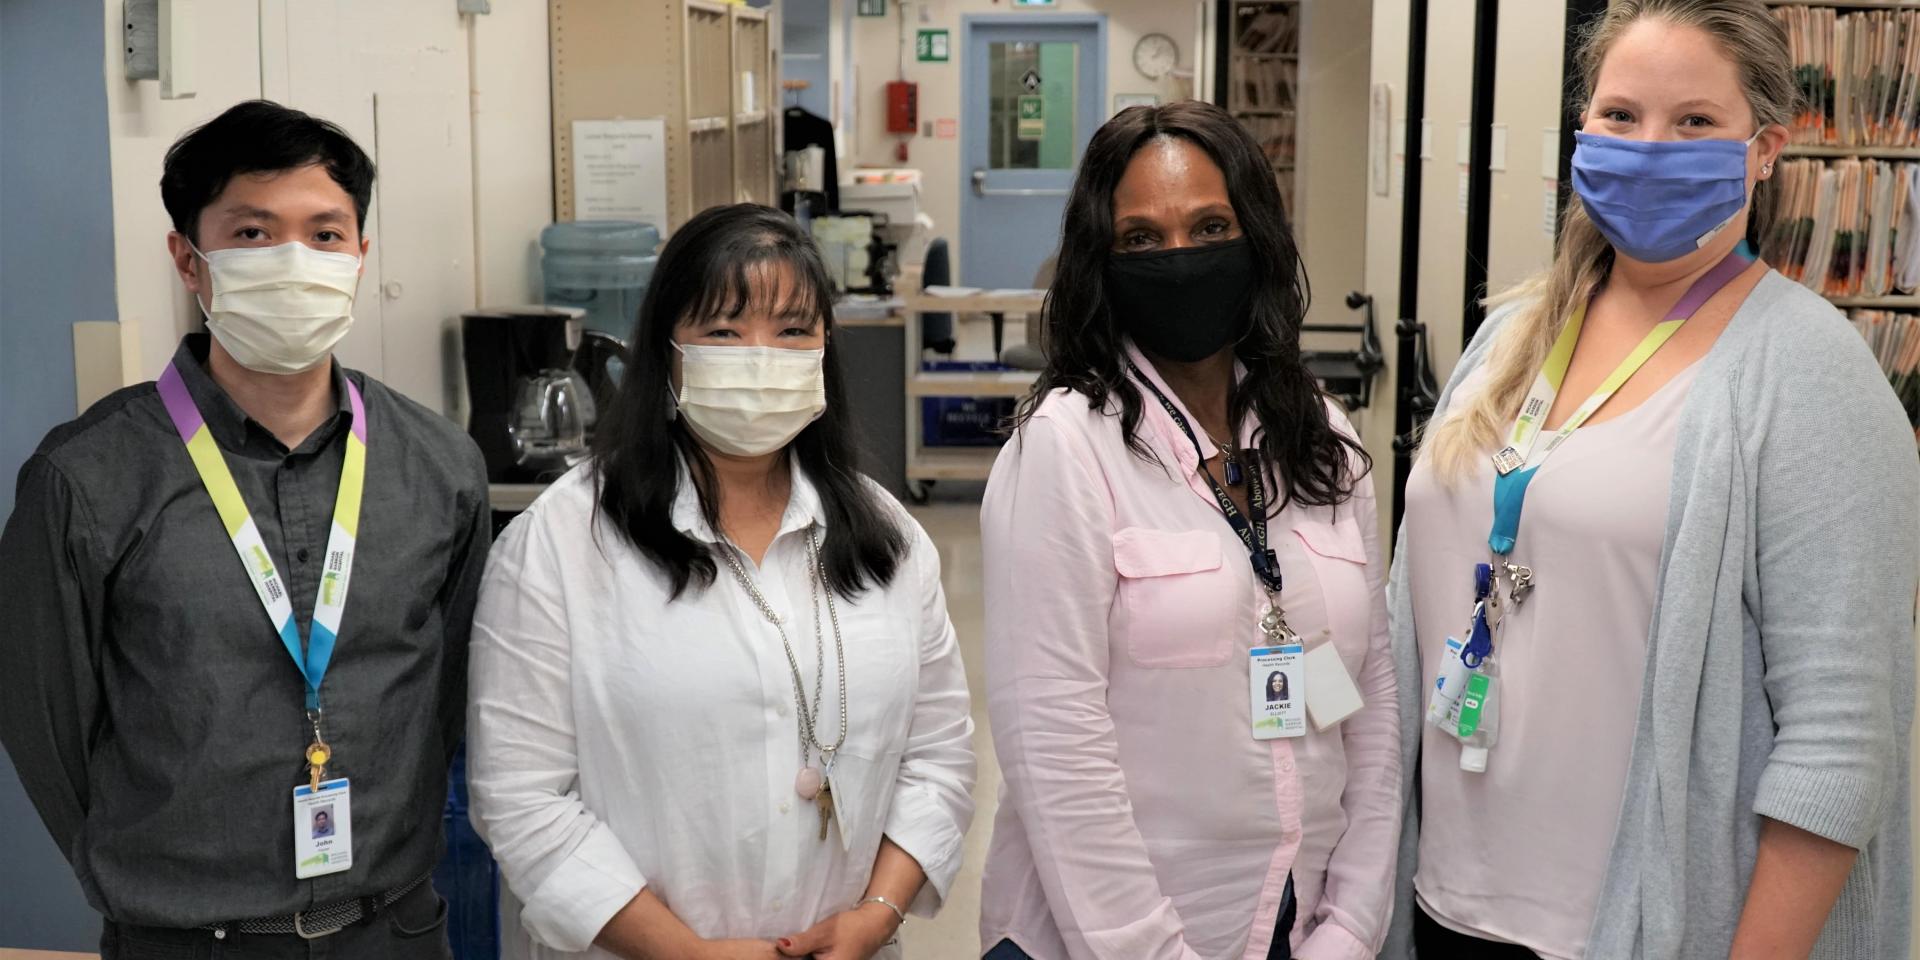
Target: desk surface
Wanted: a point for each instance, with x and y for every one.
(984, 301)
(506, 498)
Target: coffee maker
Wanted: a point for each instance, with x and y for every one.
(530, 411)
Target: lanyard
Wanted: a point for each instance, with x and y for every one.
(267, 583)
(1266, 565)
(1516, 464)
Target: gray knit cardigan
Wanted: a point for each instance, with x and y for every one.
(1780, 661)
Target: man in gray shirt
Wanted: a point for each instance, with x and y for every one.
(169, 701)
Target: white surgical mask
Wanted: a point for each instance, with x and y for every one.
(750, 401)
(280, 309)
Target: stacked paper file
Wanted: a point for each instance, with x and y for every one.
(1895, 339)
(1847, 228)
(1860, 72)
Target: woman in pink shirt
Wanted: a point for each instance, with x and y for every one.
(1145, 581)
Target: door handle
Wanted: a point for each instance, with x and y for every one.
(980, 188)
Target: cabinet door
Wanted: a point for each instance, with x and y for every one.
(395, 76)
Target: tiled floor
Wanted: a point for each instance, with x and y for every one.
(954, 935)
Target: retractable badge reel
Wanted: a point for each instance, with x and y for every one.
(1462, 700)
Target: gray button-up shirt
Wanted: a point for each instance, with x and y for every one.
(156, 719)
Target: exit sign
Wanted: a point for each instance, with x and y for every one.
(933, 46)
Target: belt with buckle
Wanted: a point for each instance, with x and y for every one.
(324, 920)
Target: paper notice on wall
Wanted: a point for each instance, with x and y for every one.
(1466, 177)
(1549, 207)
(620, 170)
(1380, 137)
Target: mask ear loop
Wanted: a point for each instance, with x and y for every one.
(204, 312)
(673, 409)
(1767, 170)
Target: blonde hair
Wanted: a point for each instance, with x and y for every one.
(1757, 43)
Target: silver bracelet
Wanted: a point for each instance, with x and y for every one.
(889, 904)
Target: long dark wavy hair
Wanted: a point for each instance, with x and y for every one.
(1085, 346)
(705, 270)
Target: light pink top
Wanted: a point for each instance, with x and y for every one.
(1518, 853)
(1140, 818)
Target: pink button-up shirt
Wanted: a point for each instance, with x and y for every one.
(1140, 818)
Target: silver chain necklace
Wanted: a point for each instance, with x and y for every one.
(811, 783)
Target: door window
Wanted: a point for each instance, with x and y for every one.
(1033, 102)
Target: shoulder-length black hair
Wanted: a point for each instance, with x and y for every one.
(705, 270)
(1085, 345)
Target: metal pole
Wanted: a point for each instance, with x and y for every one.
(1406, 418)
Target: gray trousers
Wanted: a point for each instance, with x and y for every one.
(413, 928)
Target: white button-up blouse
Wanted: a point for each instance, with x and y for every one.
(619, 740)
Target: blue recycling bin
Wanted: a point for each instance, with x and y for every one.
(467, 877)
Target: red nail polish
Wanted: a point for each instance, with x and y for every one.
(784, 942)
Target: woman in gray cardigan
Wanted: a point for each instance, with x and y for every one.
(1656, 581)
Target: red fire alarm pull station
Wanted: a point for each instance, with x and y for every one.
(903, 107)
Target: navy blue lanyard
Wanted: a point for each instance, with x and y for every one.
(1265, 563)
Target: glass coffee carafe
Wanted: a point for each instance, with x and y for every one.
(551, 414)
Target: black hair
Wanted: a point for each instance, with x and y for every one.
(258, 136)
(1312, 461)
(706, 269)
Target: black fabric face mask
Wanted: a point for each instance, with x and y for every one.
(1185, 305)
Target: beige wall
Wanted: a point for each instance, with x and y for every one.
(153, 310)
(1526, 103)
(1388, 67)
(1526, 108)
(402, 79)
(1330, 206)
(876, 53)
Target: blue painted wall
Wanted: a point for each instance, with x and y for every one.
(56, 268)
(804, 26)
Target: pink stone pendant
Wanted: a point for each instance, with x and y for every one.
(807, 784)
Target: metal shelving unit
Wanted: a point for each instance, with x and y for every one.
(1876, 153)
(926, 464)
(1263, 79)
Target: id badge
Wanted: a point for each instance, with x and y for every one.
(322, 829)
(1277, 680)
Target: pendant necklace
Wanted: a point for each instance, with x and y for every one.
(1229, 458)
(811, 783)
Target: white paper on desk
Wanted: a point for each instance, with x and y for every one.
(620, 170)
(1010, 292)
(939, 291)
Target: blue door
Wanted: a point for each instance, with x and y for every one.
(1035, 88)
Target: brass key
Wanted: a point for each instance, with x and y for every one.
(824, 800)
(318, 754)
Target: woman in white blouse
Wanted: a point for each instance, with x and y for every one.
(717, 706)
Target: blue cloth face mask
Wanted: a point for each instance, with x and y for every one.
(1657, 201)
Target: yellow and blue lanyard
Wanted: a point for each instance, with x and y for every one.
(337, 569)
(1517, 462)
